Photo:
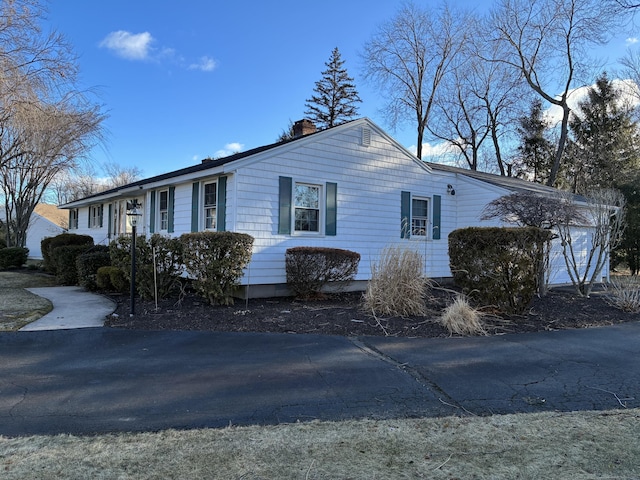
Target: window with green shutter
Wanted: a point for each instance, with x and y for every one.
(208, 204)
(307, 208)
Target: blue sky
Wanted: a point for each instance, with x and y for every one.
(181, 81)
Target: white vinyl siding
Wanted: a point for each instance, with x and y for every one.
(369, 181)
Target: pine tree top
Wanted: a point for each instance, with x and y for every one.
(335, 98)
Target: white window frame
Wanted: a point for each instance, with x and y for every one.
(320, 208)
(73, 219)
(94, 215)
(163, 213)
(204, 214)
(425, 221)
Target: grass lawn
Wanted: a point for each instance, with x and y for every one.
(18, 307)
(585, 445)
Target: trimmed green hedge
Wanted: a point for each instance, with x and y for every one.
(168, 261)
(65, 258)
(215, 261)
(311, 268)
(112, 279)
(497, 266)
(13, 257)
(48, 244)
(88, 264)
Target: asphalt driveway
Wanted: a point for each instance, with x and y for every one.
(99, 380)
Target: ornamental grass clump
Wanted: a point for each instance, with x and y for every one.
(624, 294)
(461, 318)
(397, 287)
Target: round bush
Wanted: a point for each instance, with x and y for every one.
(13, 257)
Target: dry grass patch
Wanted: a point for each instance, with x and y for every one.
(462, 319)
(397, 286)
(13, 279)
(18, 307)
(584, 445)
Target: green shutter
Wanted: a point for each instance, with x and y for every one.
(110, 220)
(331, 209)
(405, 215)
(69, 224)
(437, 200)
(221, 207)
(89, 216)
(101, 213)
(284, 216)
(171, 206)
(152, 213)
(195, 202)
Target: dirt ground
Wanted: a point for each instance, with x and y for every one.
(342, 314)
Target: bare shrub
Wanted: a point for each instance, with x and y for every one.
(309, 269)
(397, 286)
(462, 319)
(624, 294)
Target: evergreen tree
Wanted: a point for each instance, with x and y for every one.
(535, 150)
(335, 96)
(604, 148)
(629, 249)
(287, 134)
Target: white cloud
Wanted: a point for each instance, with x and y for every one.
(631, 41)
(629, 95)
(132, 46)
(229, 149)
(205, 64)
(431, 152)
(138, 46)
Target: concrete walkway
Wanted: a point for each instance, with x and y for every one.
(73, 307)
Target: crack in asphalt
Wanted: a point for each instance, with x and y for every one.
(23, 397)
(412, 372)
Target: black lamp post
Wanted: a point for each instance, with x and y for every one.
(133, 213)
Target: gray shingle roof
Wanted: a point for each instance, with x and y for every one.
(510, 183)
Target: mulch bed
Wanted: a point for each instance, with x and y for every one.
(342, 314)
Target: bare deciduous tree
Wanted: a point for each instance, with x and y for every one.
(529, 209)
(46, 122)
(53, 139)
(547, 41)
(118, 176)
(459, 117)
(477, 101)
(408, 57)
(605, 217)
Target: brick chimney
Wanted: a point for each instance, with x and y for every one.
(303, 127)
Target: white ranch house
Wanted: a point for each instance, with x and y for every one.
(351, 186)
